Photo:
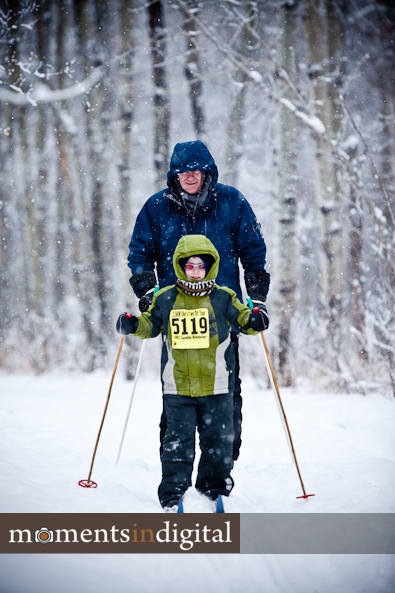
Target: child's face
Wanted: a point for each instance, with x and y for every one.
(195, 269)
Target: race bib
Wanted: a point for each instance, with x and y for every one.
(189, 328)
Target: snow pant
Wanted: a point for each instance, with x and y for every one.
(237, 404)
(237, 399)
(212, 415)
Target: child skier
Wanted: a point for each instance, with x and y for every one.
(195, 317)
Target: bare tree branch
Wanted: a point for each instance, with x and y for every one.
(43, 94)
(371, 160)
(299, 111)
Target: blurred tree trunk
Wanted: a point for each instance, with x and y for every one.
(101, 32)
(354, 280)
(247, 46)
(324, 35)
(124, 134)
(192, 69)
(157, 32)
(19, 287)
(286, 268)
(126, 112)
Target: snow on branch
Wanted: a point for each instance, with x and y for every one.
(310, 120)
(12, 15)
(377, 175)
(41, 93)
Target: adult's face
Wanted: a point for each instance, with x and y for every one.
(191, 181)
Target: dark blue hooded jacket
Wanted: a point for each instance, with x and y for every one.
(223, 215)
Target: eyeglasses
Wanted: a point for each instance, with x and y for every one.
(195, 266)
(187, 173)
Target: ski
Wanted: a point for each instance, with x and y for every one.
(219, 505)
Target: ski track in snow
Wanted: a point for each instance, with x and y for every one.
(345, 445)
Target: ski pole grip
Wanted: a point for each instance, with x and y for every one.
(251, 305)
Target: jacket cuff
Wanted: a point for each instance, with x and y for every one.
(257, 284)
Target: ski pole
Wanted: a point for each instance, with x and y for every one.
(90, 483)
(136, 376)
(274, 383)
(131, 400)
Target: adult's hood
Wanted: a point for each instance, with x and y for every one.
(191, 156)
(190, 245)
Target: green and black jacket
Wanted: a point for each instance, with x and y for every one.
(205, 366)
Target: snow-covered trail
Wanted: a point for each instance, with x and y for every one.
(345, 446)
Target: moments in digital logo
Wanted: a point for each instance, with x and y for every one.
(120, 533)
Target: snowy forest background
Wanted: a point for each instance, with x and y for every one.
(295, 100)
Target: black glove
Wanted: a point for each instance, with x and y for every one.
(257, 284)
(259, 319)
(127, 324)
(142, 283)
(146, 300)
(143, 286)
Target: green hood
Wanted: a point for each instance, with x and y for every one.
(190, 245)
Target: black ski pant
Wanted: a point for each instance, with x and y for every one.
(212, 416)
(237, 404)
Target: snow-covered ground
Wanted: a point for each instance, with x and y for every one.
(345, 446)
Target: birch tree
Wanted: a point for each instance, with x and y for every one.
(286, 203)
(247, 45)
(324, 36)
(193, 69)
(160, 89)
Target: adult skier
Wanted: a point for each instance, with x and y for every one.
(194, 202)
